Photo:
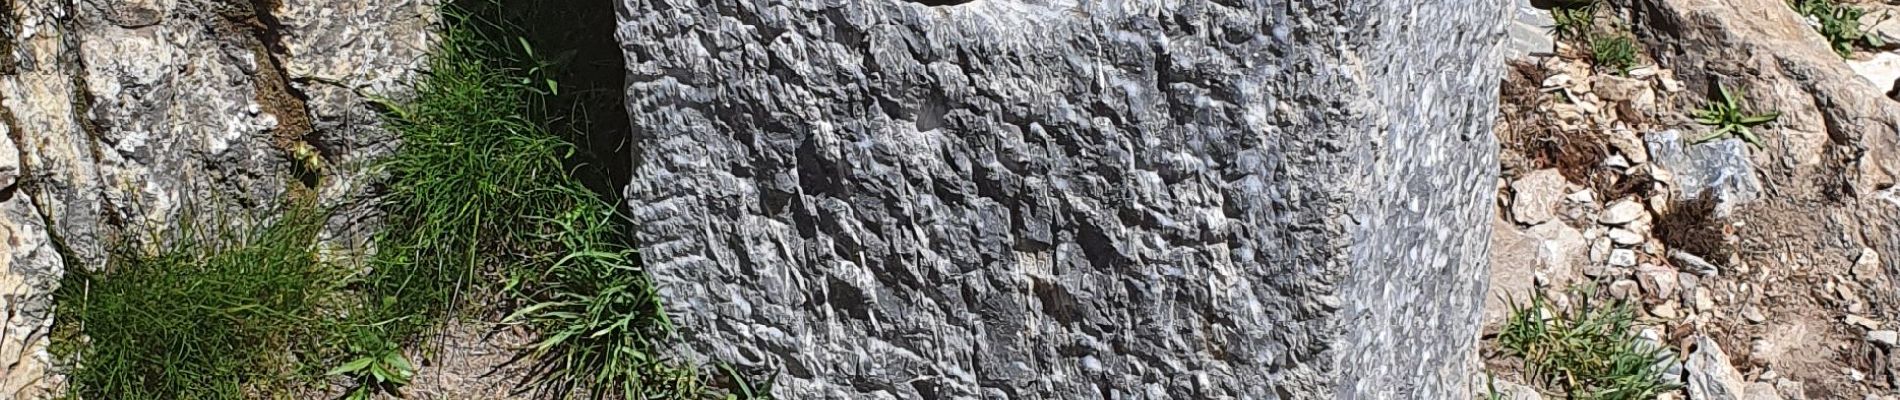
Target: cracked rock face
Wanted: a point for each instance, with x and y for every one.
(1070, 199)
(121, 117)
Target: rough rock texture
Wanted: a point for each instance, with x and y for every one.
(1718, 168)
(1070, 199)
(1711, 377)
(1530, 31)
(1830, 163)
(1827, 170)
(121, 117)
(1537, 196)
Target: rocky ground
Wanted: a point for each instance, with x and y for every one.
(1767, 269)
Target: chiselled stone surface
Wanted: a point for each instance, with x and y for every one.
(1070, 199)
(125, 116)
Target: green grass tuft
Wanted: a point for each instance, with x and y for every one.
(1728, 117)
(484, 189)
(1590, 351)
(1614, 52)
(207, 318)
(1573, 22)
(1839, 23)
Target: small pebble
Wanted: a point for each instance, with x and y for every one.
(1753, 314)
(1665, 310)
(1863, 322)
(1623, 257)
(1621, 212)
(1624, 289)
(1625, 237)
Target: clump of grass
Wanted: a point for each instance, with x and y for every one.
(484, 189)
(377, 366)
(207, 318)
(1839, 23)
(1573, 21)
(1614, 52)
(1727, 115)
(1589, 351)
(745, 388)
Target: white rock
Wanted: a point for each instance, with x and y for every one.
(1640, 225)
(1557, 81)
(1621, 212)
(1663, 178)
(1585, 196)
(1601, 271)
(1600, 250)
(1623, 258)
(1560, 248)
(1585, 106)
(1881, 70)
(1666, 310)
(1711, 377)
(1529, 34)
(1867, 266)
(1703, 301)
(1625, 237)
(1760, 391)
(1538, 195)
(1862, 322)
(1670, 84)
(1624, 289)
(1633, 149)
(1791, 389)
(1693, 264)
(1886, 339)
(1616, 161)
(1884, 25)
(1753, 314)
(1853, 301)
(1658, 280)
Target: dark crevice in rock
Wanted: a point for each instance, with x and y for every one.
(7, 39)
(255, 27)
(75, 66)
(576, 41)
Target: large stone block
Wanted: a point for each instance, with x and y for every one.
(1070, 199)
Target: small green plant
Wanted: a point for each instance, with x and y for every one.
(1590, 351)
(378, 366)
(746, 389)
(208, 317)
(1614, 52)
(1491, 387)
(487, 188)
(1839, 23)
(1573, 22)
(1727, 115)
